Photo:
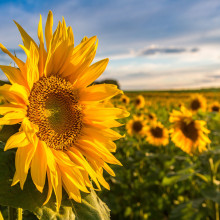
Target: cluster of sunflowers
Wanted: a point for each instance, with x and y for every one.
(185, 130)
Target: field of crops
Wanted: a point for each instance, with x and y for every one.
(170, 157)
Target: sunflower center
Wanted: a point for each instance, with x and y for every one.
(150, 116)
(137, 126)
(190, 131)
(124, 100)
(195, 104)
(157, 132)
(53, 106)
(215, 108)
(137, 101)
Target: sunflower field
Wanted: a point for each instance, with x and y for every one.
(62, 135)
(170, 157)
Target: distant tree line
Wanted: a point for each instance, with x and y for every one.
(108, 81)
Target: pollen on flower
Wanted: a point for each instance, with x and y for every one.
(53, 106)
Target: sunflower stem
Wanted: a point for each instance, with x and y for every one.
(213, 174)
(12, 213)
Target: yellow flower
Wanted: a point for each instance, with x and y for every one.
(65, 133)
(139, 102)
(214, 107)
(187, 133)
(151, 117)
(125, 99)
(197, 102)
(136, 126)
(157, 134)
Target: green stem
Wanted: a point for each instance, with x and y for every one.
(12, 213)
(213, 175)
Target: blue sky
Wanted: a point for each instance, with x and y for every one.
(153, 44)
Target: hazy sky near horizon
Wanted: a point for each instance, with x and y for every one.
(153, 44)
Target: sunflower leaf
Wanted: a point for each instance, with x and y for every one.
(30, 199)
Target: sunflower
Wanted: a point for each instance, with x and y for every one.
(151, 117)
(187, 133)
(157, 134)
(197, 102)
(136, 126)
(65, 131)
(214, 107)
(125, 99)
(139, 102)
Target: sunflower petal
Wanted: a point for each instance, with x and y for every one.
(39, 167)
(99, 92)
(18, 140)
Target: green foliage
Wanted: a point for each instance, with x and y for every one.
(32, 200)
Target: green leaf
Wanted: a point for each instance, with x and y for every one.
(191, 210)
(211, 193)
(7, 131)
(91, 208)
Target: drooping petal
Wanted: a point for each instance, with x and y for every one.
(30, 129)
(23, 159)
(39, 167)
(18, 140)
(20, 63)
(14, 75)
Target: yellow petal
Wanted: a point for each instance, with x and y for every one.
(30, 129)
(14, 75)
(48, 29)
(39, 167)
(13, 118)
(32, 66)
(98, 113)
(18, 140)
(27, 40)
(99, 92)
(19, 62)
(42, 52)
(94, 71)
(23, 159)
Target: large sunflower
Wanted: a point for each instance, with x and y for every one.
(157, 134)
(65, 131)
(197, 102)
(187, 133)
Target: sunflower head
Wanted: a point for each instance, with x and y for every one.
(188, 134)
(157, 134)
(197, 102)
(214, 107)
(125, 99)
(139, 102)
(136, 126)
(65, 133)
(151, 117)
